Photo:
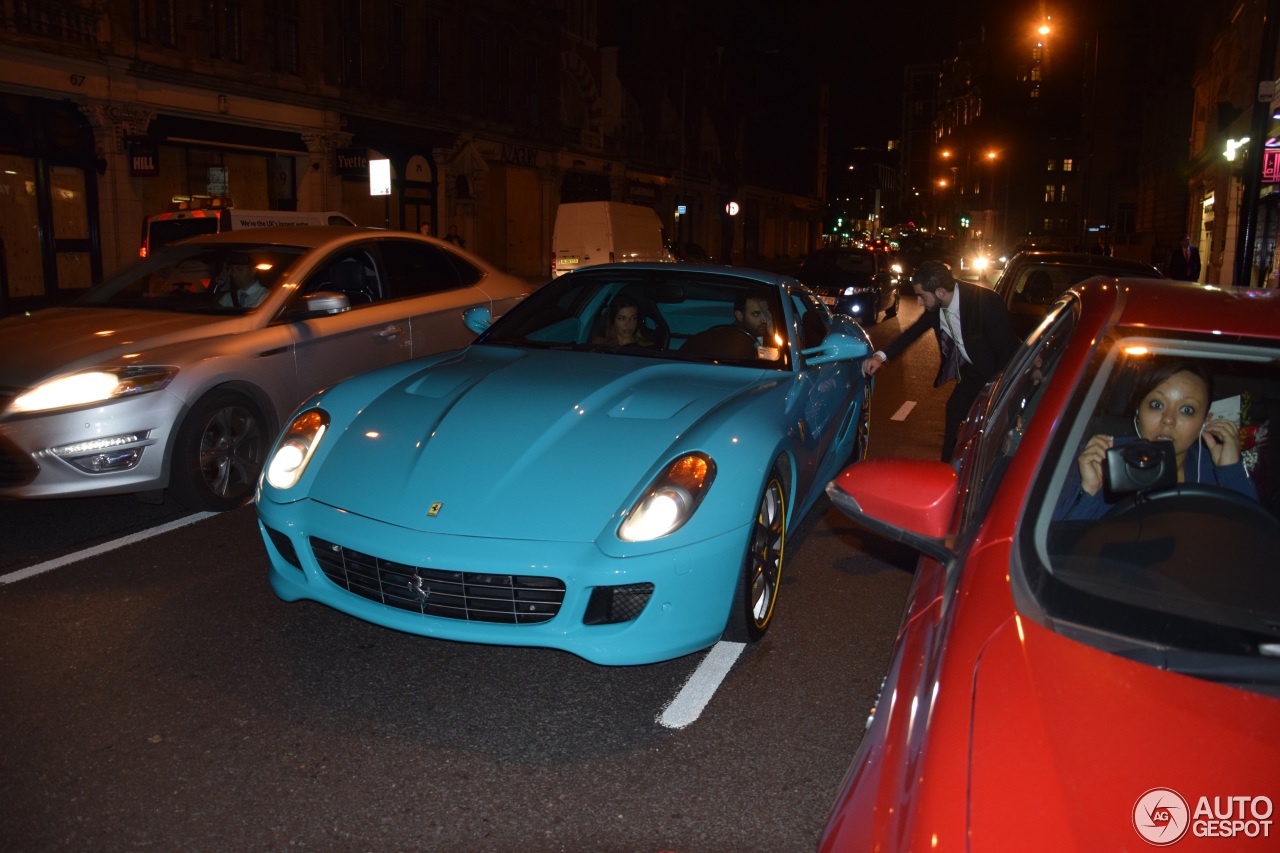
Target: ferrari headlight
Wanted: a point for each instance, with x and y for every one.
(671, 499)
(93, 386)
(298, 444)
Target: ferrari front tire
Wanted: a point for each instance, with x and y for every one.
(757, 591)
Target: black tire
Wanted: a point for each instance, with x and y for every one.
(862, 439)
(751, 610)
(218, 452)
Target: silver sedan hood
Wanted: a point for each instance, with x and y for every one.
(35, 347)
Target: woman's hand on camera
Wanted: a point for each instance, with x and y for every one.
(1091, 460)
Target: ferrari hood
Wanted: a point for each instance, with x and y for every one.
(1066, 739)
(520, 444)
(44, 344)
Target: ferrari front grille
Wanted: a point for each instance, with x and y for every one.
(470, 596)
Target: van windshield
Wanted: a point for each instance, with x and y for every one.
(162, 232)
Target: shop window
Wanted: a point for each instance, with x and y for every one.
(281, 25)
(352, 44)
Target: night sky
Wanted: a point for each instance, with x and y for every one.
(863, 48)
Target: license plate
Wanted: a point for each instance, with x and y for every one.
(828, 300)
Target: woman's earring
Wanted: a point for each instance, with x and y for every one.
(1135, 425)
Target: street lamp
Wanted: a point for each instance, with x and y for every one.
(994, 157)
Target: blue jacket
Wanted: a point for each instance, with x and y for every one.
(1076, 504)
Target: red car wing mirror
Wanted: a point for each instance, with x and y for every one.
(910, 500)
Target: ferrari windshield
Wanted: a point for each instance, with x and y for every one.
(670, 313)
(196, 278)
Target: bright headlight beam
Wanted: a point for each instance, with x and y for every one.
(93, 386)
(67, 391)
(670, 500)
(289, 461)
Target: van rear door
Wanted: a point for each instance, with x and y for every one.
(165, 228)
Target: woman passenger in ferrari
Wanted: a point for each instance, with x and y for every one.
(622, 324)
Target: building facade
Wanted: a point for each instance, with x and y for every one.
(490, 114)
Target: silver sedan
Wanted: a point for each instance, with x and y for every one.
(177, 372)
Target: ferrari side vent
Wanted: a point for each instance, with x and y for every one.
(470, 596)
(611, 604)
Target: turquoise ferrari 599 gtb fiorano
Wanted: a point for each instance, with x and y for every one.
(611, 469)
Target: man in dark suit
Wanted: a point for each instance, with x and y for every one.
(974, 336)
(1184, 263)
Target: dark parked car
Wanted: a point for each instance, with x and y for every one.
(1033, 280)
(915, 249)
(857, 282)
(689, 253)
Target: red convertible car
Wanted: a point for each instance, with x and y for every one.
(1090, 653)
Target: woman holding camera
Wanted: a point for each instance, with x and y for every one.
(1172, 405)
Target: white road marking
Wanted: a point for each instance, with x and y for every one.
(701, 686)
(49, 565)
(903, 411)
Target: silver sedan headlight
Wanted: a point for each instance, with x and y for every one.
(671, 499)
(93, 386)
(298, 444)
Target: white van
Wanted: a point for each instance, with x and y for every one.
(602, 232)
(191, 220)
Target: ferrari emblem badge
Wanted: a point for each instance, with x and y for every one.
(434, 510)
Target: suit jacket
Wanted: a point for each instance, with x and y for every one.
(1184, 269)
(988, 337)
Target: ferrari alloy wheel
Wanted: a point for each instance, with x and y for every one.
(218, 452)
(757, 590)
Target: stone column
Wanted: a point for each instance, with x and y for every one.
(319, 188)
(120, 207)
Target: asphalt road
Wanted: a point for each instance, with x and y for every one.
(157, 696)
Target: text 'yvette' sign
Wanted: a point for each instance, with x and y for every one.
(351, 162)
